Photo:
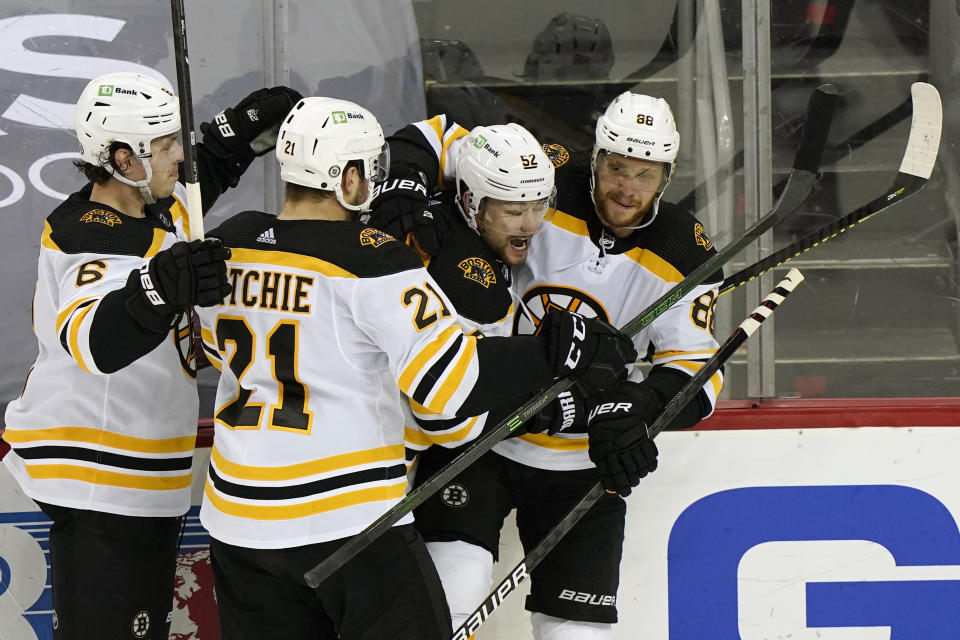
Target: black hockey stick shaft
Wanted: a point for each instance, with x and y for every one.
(803, 176)
(915, 168)
(191, 177)
(673, 408)
(801, 181)
(836, 152)
(918, 161)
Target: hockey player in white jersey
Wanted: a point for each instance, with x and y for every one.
(608, 249)
(514, 181)
(328, 318)
(102, 436)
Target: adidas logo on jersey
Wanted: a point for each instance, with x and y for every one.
(267, 237)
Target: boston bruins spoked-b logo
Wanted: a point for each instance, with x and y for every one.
(541, 299)
(140, 626)
(454, 495)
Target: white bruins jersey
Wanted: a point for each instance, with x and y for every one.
(117, 443)
(574, 264)
(470, 274)
(326, 321)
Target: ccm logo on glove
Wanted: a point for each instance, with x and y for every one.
(579, 333)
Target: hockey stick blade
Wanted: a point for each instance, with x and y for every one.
(915, 169)
(522, 570)
(194, 204)
(802, 178)
(799, 184)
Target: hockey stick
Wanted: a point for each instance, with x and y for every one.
(836, 152)
(915, 169)
(522, 571)
(802, 178)
(191, 178)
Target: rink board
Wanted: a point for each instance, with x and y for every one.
(827, 533)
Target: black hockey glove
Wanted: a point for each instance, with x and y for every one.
(618, 442)
(589, 349)
(567, 413)
(183, 276)
(250, 128)
(400, 208)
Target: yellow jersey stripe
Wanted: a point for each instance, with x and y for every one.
(654, 264)
(567, 222)
(559, 444)
(89, 435)
(305, 509)
(510, 313)
(426, 354)
(425, 438)
(673, 354)
(108, 478)
(286, 259)
(454, 134)
(159, 235)
(46, 240)
(455, 378)
(75, 337)
(391, 453)
(692, 367)
(179, 212)
(437, 124)
(65, 314)
(416, 437)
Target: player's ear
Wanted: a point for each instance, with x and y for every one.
(122, 159)
(350, 181)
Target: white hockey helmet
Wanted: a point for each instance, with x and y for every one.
(125, 107)
(319, 138)
(638, 126)
(504, 162)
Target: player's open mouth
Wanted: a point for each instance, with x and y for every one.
(519, 243)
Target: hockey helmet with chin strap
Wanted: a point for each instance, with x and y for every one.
(638, 126)
(125, 107)
(504, 162)
(321, 135)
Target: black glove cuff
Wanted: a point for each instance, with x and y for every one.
(152, 317)
(234, 154)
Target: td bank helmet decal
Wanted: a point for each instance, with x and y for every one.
(541, 299)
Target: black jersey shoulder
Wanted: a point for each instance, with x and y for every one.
(679, 238)
(354, 247)
(79, 225)
(466, 269)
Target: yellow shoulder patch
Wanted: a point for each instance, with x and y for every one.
(700, 235)
(101, 216)
(558, 155)
(370, 237)
(478, 270)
